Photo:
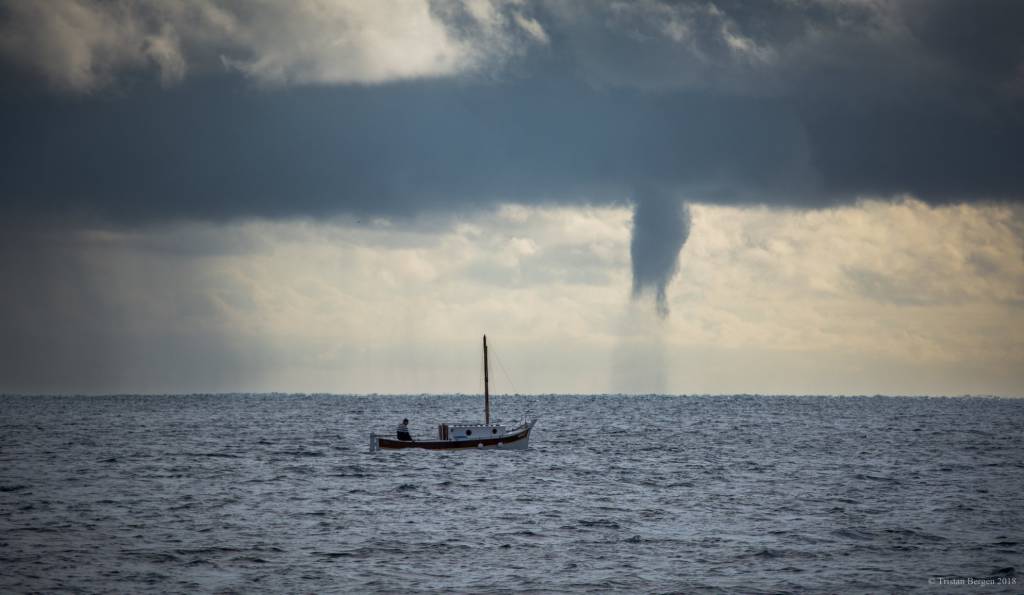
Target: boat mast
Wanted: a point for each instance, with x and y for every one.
(487, 389)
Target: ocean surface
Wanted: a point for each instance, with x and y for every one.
(280, 494)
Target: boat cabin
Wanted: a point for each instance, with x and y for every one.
(469, 431)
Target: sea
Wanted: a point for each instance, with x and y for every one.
(280, 493)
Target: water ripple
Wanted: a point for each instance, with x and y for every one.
(278, 493)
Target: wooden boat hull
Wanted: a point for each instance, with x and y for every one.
(517, 439)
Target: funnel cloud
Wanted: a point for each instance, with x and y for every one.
(661, 224)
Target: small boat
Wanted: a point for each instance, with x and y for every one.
(466, 435)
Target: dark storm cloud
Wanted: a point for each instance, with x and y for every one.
(138, 113)
(798, 103)
(219, 151)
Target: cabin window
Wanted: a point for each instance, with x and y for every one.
(494, 430)
(469, 432)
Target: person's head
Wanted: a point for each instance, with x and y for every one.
(405, 422)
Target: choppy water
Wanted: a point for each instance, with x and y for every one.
(279, 493)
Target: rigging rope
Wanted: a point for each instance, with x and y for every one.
(510, 383)
(509, 378)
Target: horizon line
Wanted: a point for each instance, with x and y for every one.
(457, 394)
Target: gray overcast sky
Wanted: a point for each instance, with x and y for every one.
(130, 125)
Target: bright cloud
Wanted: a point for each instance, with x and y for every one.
(875, 297)
(82, 44)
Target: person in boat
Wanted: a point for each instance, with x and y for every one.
(403, 431)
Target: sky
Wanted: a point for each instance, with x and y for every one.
(782, 197)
